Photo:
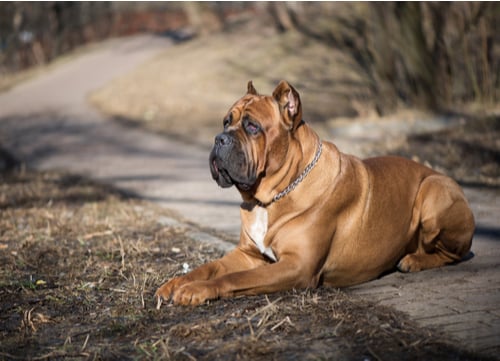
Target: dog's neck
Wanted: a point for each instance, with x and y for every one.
(289, 177)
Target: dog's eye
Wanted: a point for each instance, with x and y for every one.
(251, 127)
(228, 120)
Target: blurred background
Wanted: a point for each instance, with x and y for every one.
(433, 55)
(427, 64)
(131, 94)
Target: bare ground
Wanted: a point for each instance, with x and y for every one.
(80, 262)
(469, 152)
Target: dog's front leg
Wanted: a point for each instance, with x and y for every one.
(235, 261)
(283, 275)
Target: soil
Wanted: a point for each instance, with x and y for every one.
(80, 263)
(469, 151)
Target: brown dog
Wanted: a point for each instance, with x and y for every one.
(312, 215)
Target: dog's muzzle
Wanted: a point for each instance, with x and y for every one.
(228, 163)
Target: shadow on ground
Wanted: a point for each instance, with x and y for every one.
(81, 262)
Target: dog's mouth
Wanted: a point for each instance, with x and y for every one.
(220, 174)
(224, 179)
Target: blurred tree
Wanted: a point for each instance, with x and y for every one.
(283, 15)
(204, 17)
(32, 33)
(430, 55)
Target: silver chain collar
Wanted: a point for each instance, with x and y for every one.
(299, 179)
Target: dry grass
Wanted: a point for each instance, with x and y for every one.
(81, 261)
(470, 152)
(186, 89)
(79, 258)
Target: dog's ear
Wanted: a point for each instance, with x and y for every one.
(251, 89)
(289, 103)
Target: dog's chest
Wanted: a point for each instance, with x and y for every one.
(257, 232)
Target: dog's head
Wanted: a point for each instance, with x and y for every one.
(256, 137)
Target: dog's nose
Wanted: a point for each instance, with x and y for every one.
(223, 140)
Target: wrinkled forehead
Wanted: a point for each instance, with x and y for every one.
(258, 107)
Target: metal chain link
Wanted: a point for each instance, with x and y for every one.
(300, 178)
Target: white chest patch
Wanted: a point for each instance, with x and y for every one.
(258, 230)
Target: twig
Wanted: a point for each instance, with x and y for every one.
(97, 234)
(377, 357)
(265, 318)
(265, 308)
(61, 354)
(164, 345)
(27, 322)
(122, 252)
(188, 355)
(143, 303)
(252, 333)
(286, 319)
(337, 328)
(118, 290)
(85, 342)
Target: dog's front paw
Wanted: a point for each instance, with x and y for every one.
(409, 263)
(165, 291)
(195, 293)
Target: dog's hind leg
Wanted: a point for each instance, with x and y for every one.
(446, 225)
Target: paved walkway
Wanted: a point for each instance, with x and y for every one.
(47, 123)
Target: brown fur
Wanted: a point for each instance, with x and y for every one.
(347, 222)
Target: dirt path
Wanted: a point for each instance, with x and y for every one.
(48, 124)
